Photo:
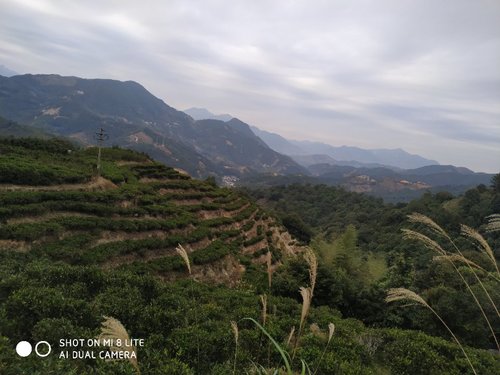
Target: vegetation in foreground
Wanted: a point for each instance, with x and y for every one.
(56, 282)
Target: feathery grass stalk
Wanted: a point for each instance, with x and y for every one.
(115, 332)
(417, 218)
(459, 258)
(331, 330)
(263, 301)
(433, 245)
(234, 327)
(306, 304)
(402, 294)
(269, 269)
(484, 246)
(312, 261)
(429, 243)
(290, 336)
(184, 255)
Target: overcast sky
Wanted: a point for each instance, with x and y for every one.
(422, 75)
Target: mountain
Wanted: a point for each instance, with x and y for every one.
(277, 142)
(395, 158)
(12, 129)
(205, 114)
(6, 72)
(132, 117)
(310, 160)
(399, 184)
(305, 152)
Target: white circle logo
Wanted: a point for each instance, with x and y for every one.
(49, 348)
(23, 348)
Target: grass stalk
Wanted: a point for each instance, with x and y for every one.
(402, 294)
(433, 245)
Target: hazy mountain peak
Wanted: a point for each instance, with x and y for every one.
(6, 72)
(205, 114)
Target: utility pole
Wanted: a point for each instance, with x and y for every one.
(100, 137)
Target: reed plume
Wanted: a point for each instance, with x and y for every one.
(236, 333)
(183, 253)
(269, 268)
(114, 332)
(418, 218)
(483, 245)
(429, 243)
(306, 294)
(402, 294)
(457, 258)
(290, 336)
(331, 330)
(263, 301)
(312, 261)
(306, 304)
(433, 245)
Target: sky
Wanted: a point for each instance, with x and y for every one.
(421, 75)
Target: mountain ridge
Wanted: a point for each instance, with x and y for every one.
(134, 118)
(204, 114)
(363, 157)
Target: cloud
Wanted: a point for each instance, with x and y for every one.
(390, 73)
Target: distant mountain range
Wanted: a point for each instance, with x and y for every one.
(134, 118)
(394, 174)
(308, 153)
(354, 156)
(220, 145)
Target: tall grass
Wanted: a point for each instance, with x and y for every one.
(312, 262)
(331, 330)
(234, 328)
(184, 255)
(457, 257)
(269, 269)
(115, 333)
(292, 342)
(307, 293)
(402, 294)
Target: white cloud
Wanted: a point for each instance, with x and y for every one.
(389, 73)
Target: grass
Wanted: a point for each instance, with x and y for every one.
(434, 245)
(402, 294)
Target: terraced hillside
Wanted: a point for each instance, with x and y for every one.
(132, 217)
(76, 249)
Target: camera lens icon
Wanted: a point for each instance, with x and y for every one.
(42, 348)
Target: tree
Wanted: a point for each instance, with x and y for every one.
(495, 183)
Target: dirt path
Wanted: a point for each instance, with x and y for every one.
(99, 183)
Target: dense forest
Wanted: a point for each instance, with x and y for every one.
(363, 251)
(80, 254)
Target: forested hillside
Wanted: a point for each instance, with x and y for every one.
(79, 249)
(364, 253)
